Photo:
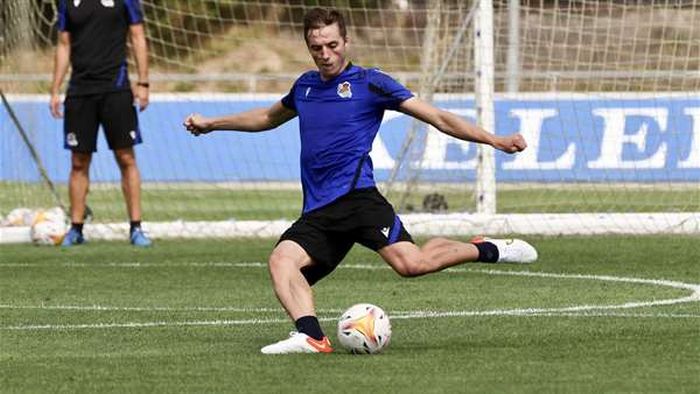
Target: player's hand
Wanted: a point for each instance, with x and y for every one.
(196, 124)
(55, 106)
(511, 144)
(141, 97)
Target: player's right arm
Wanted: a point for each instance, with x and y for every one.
(60, 67)
(259, 119)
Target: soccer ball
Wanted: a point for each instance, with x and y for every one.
(48, 232)
(19, 217)
(364, 328)
(55, 214)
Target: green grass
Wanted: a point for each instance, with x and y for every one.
(197, 202)
(645, 349)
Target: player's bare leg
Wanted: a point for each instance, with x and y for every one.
(131, 188)
(294, 293)
(131, 181)
(291, 288)
(409, 260)
(78, 186)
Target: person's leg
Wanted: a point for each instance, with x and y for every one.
(131, 181)
(407, 259)
(131, 188)
(291, 288)
(306, 253)
(294, 293)
(436, 254)
(382, 230)
(80, 126)
(79, 184)
(120, 122)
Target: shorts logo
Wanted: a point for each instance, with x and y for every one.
(132, 133)
(344, 90)
(385, 231)
(76, 3)
(307, 92)
(71, 139)
(108, 3)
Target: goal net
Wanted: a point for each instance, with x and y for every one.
(605, 93)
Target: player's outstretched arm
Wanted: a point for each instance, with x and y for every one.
(457, 127)
(259, 119)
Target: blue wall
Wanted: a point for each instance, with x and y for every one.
(638, 138)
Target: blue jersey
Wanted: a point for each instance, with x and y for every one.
(338, 121)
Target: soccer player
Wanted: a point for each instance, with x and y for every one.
(92, 40)
(340, 108)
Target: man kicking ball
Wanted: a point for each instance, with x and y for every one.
(340, 108)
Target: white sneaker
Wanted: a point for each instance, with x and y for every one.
(299, 343)
(511, 250)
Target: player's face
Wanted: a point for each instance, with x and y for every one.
(327, 47)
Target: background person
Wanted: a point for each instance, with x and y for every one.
(92, 40)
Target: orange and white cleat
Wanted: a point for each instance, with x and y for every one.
(299, 343)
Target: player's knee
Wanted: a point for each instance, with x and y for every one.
(80, 165)
(126, 161)
(409, 266)
(279, 265)
(275, 263)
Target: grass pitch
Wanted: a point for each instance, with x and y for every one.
(595, 314)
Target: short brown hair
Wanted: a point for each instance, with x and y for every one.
(319, 17)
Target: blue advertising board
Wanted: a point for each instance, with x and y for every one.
(571, 137)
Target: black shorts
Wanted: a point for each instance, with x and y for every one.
(327, 234)
(116, 113)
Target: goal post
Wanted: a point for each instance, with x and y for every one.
(485, 111)
(605, 94)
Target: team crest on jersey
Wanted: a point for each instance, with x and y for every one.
(344, 89)
(132, 134)
(76, 3)
(71, 139)
(107, 3)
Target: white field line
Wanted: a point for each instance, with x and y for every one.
(576, 310)
(143, 324)
(394, 314)
(109, 308)
(165, 264)
(618, 314)
(414, 315)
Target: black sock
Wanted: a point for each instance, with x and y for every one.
(309, 325)
(488, 252)
(77, 227)
(133, 225)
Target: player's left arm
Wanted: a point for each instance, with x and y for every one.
(137, 35)
(459, 128)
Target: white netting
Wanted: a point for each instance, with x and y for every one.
(604, 91)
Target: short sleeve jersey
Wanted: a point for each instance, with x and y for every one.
(98, 32)
(338, 121)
